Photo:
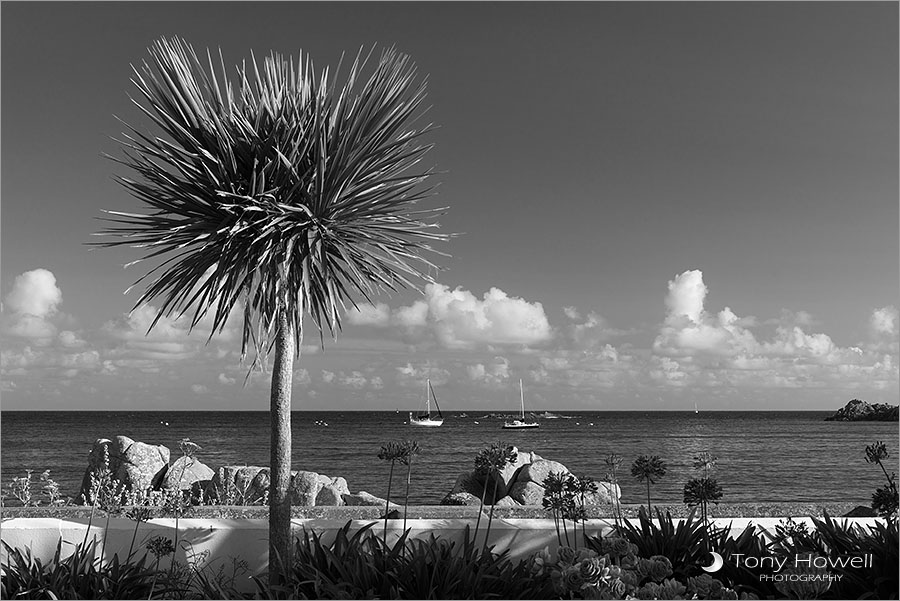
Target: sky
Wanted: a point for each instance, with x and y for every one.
(660, 204)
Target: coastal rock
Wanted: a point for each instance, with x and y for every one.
(861, 511)
(461, 498)
(305, 487)
(135, 466)
(332, 491)
(606, 494)
(329, 496)
(249, 485)
(539, 470)
(234, 485)
(527, 493)
(861, 411)
(362, 498)
(507, 502)
(478, 484)
(511, 470)
(185, 472)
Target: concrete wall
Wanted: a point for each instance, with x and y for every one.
(219, 542)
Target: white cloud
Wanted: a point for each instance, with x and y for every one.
(30, 308)
(494, 373)
(461, 320)
(34, 293)
(355, 380)
(686, 295)
(413, 316)
(694, 347)
(171, 339)
(226, 380)
(572, 313)
(301, 377)
(366, 314)
(457, 319)
(415, 375)
(199, 389)
(884, 321)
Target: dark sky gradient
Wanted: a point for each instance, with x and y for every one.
(593, 151)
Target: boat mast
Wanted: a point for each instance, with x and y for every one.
(522, 398)
(436, 404)
(428, 398)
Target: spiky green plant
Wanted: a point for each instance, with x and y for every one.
(281, 195)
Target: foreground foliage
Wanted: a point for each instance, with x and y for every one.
(653, 559)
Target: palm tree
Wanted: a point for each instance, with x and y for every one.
(649, 469)
(283, 195)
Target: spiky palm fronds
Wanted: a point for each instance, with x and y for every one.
(282, 191)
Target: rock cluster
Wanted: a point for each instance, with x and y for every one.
(140, 467)
(519, 483)
(135, 465)
(861, 411)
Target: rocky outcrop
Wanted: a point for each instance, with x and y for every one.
(248, 485)
(126, 465)
(186, 472)
(519, 483)
(471, 485)
(364, 498)
(861, 411)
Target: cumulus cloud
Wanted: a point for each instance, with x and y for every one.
(884, 321)
(695, 347)
(585, 333)
(494, 373)
(34, 293)
(171, 339)
(415, 375)
(31, 306)
(461, 320)
(457, 319)
(199, 389)
(370, 315)
(688, 329)
(226, 380)
(686, 295)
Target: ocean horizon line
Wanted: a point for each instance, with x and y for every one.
(454, 412)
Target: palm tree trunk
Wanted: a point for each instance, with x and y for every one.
(280, 473)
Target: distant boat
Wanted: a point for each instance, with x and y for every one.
(520, 424)
(695, 407)
(426, 419)
(463, 415)
(548, 415)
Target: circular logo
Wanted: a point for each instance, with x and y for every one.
(716, 564)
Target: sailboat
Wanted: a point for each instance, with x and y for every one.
(520, 424)
(695, 407)
(426, 419)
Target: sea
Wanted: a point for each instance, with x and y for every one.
(762, 456)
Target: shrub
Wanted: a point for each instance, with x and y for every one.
(877, 578)
(81, 575)
(648, 469)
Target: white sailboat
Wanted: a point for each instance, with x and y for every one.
(520, 424)
(695, 407)
(426, 419)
